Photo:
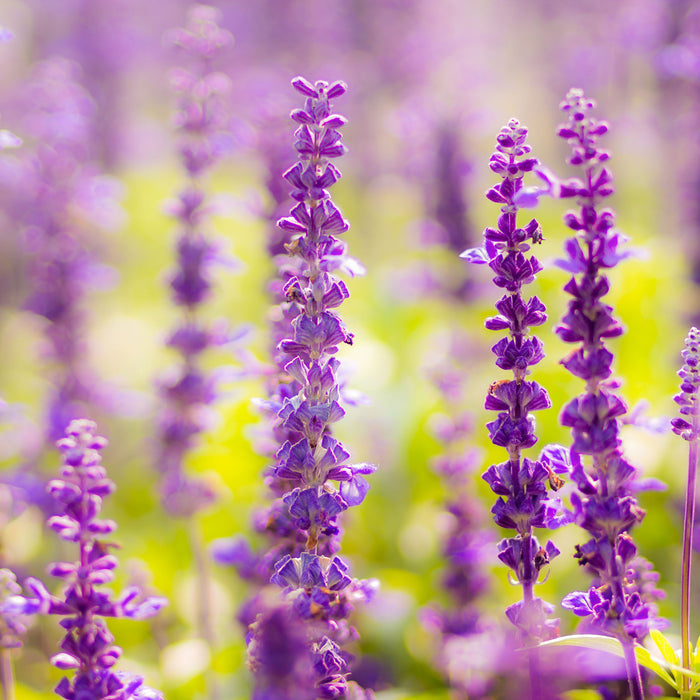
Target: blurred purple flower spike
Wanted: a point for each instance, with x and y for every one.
(203, 36)
(188, 391)
(60, 203)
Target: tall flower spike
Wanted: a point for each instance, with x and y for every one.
(448, 221)
(688, 427)
(604, 503)
(318, 587)
(463, 624)
(188, 392)
(272, 523)
(88, 646)
(520, 483)
(61, 203)
(13, 627)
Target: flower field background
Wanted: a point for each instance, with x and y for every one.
(430, 85)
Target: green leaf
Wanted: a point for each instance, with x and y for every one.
(696, 654)
(613, 646)
(581, 694)
(644, 658)
(668, 653)
(663, 645)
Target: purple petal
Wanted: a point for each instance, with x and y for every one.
(477, 256)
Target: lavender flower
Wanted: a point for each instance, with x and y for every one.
(520, 482)
(687, 398)
(201, 122)
(688, 427)
(59, 201)
(88, 646)
(465, 576)
(13, 627)
(317, 458)
(448, 223)
(317, 585)
(278, 655)
(604, 503)
(462, 624)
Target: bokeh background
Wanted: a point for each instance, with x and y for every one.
(430, 85)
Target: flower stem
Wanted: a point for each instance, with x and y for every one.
(534, 663)
(528, 599)
(634, 677)
(204, 611)
(688, 521)
(7, 676)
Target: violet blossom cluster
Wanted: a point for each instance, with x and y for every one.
(317, 586)
(687, 397)
(448, 221)
(273, 523)
(59, 201)
(13, 626)
(201, 122)
(688, 427)
(521, 483)
(604, 503)
(462, 625)
(87, 647)
(465, 576)
(621, 601)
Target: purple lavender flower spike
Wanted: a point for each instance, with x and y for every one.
(604, 503)
(88, 646)
(60, 202)
(13, 627)
(315, 458)
(520, 483)
(688, 427)
(466, 550)
(278, 655)
(312, 472)
(447, 223)
(188, 392)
